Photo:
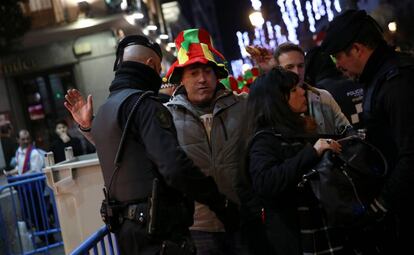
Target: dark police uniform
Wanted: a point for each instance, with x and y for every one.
(388, 110)
(151, 151)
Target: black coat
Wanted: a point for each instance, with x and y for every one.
(276, 167)
(388, 80)
(58, 148)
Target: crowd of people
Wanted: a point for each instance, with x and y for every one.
(191, 167)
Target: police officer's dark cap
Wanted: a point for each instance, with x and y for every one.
(344, 29)
(136, 40)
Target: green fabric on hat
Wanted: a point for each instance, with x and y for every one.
(190, 36)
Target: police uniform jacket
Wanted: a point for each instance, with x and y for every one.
(388, 79)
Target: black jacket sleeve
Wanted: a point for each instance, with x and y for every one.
(399, 108)
(276, 168)
(154, 125)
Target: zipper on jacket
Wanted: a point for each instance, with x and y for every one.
(353, 188)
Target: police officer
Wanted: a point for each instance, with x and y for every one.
(152, 164)
(356, 43)
(321, 72)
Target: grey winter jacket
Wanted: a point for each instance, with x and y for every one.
(219, 157)
(326, 112)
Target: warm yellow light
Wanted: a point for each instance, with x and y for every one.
(392, 26)
(256, 19)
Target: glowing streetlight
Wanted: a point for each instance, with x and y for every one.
(392, 26)
(256, 19)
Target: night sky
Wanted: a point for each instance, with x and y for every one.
(233, 16)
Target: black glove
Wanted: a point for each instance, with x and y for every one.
(228, 213)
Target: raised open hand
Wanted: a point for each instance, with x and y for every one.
(81, 109)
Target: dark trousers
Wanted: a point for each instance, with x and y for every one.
(217, 243)
(133, 239)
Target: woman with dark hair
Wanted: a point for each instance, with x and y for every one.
(279, 155)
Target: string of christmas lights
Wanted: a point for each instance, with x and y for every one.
(292, 16)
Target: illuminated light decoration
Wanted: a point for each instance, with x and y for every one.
(290, 25)
(256, 40)
(316, 9)
(246, 66)
(321, 8)
(311, 19)
(145, 31)
(171, 45)
(241, 44)
(279, 37)
(299, 10)
(329, 10)
(256, 19)
(158, 40)
(246, 39)
(237, 67)
(337, 6)
(270, 30)
(262, 36)
(256, 4)
(292, 13)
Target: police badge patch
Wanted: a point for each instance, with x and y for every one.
(164, 118)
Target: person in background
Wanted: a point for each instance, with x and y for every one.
(8, 144)
(355, 41)
(28, 158)
(321, 72)
(64, 140)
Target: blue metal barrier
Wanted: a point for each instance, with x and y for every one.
(28, 216)
(101, 242)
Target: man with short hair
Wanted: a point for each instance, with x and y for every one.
(322, 73)
(152, 160)
(28, 158)
(355, 41)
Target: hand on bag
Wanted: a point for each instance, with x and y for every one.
(327, 144)
(81, 109)
(228, 213)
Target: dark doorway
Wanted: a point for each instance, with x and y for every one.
(42, 96)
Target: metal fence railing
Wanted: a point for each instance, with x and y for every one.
(29, 221)
(102, 242)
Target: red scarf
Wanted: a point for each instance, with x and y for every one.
(26, 164)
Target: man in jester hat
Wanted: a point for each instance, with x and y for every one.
(208, 121)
